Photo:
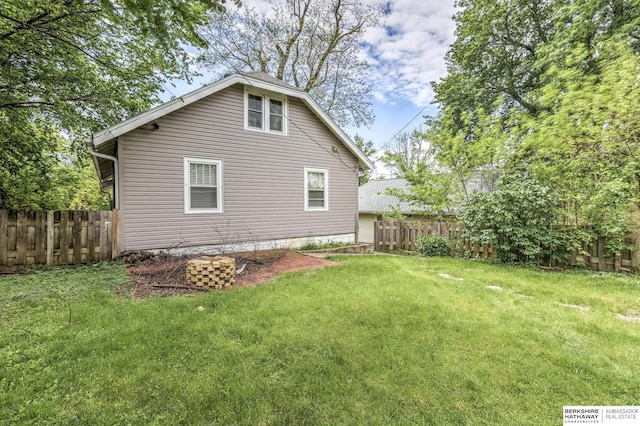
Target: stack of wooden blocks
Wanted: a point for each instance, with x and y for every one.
(213, 272)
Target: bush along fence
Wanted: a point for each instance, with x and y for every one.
(389, 236)
(57, 237)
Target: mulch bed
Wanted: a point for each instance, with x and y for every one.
(161, 274)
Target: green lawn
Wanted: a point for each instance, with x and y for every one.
(375, 340)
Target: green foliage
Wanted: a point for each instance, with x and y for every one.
(395, 215)
(518, 219)
(432, 245)
(59, 180)
(367, 149)
(409, 152)
(320, 246)
(70, 67)
(587, 145)
(549, 90)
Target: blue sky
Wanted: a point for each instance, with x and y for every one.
(406, 53)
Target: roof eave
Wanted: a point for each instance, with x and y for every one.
(116, 130)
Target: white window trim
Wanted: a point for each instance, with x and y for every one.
(306, 189)
(187, 185)
(266, 97)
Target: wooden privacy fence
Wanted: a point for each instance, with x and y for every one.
(57, 237)
(404, 235)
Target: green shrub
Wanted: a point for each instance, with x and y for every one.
(321, 246)
(432, 245)
(518, 219)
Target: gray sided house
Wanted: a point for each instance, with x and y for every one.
(246, 162)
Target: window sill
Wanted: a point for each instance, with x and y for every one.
(203, 211)
(271, 132)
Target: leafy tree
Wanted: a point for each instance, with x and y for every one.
(409, 152)
(503, 49)
(367, 149)
(588, 145)
(314, 45)
(439, 175)
(52, 181)
(496, 54)
(549, 90)
(74, 65)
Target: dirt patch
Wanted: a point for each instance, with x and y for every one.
(164, 275)
(632, 315)
(627, 318)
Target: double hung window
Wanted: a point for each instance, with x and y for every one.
(316, 189)
(202, 186)
(266, 113)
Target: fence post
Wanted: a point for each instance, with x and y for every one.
(635, 254)
(50, 237)
(602, 263)
(115, 229)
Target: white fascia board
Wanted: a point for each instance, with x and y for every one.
(116, 130)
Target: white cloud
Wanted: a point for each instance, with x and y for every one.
(409, 54)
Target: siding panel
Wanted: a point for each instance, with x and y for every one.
(263, 177)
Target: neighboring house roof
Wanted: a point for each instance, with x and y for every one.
(373, 198)
(103, 138)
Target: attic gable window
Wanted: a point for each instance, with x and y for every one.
(275, 115)
(255, 112)
(202, 186)
(265, 112)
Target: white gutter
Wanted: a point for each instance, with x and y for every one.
(116, 191)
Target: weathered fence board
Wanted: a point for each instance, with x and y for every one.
(40, 241)
(4, 237)
(57, 238)
(390, 236)
(63, 238)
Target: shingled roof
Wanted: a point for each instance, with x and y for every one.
(373, 199)
(259, 75)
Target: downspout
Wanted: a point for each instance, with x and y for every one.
(116, 181)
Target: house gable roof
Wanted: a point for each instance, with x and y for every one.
(256, 80)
